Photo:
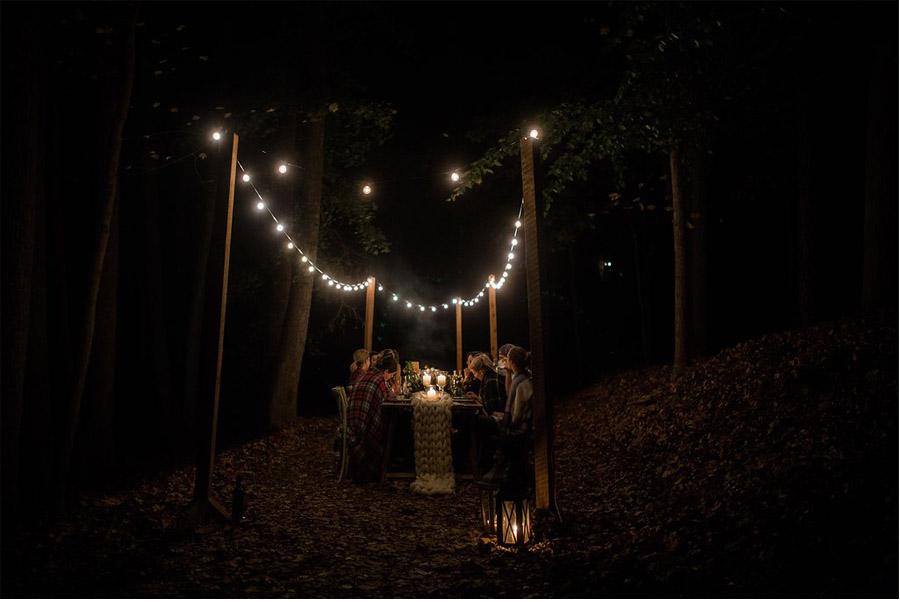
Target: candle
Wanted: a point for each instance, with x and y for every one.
(441, 380)
(426, 379)
(432, 394)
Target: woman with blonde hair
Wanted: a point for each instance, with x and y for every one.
(359, 366)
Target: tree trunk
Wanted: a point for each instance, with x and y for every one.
(879, 286)
(805, 267)
(22, 143)
(678, 238)
(107, 205)
(283, 404)
(205, 220)
(640, 289)
(698, 249)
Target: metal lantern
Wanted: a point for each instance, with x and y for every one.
(513, 518)
(488, 515)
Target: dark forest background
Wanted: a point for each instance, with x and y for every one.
(779, 120)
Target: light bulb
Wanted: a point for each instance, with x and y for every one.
(508, 266)
(454, 300)
(346, 288)
(282, 169)
(518, 224)
(217, 136)
(433, 308)
(280, 228)
(421, 308)
(380, 288)
(331, 283)
(408, 305)
(481, 294)
(511, 256)
(311, 269)
(514, 242)
(534, 133)
(367, 189)
(394, 297)
(304, 258)
(245, 177)
(454, 177)
(290, 245)
(260, 206)
(446, 306)
(324, 276)
(505, 274)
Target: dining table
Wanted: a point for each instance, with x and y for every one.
(465, 407)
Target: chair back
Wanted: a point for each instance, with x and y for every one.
(340, 397)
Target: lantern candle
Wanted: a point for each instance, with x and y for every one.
(432, 394)
(441, 380)
(426, 379)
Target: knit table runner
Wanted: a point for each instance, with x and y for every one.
(434, 459)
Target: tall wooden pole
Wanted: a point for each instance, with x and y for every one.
(206, 453)
(370, 313)
(492, 312)
(459, 365)
(534, 274)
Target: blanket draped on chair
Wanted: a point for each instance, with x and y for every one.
(434, 459)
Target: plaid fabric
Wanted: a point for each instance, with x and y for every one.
(365, 425)
(356, 375)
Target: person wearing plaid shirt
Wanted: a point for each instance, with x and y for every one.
(365, 426)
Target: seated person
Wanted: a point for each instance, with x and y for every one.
(366, 428)
(490, 391)
(359, 366)
(470, 384)
(503, 370)
(514, 425)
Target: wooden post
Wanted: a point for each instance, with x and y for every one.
(459, 366)
(220, 256)
(534, 273)
(492, 312)
(370, 313)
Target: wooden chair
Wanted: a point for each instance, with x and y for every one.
(340, 398)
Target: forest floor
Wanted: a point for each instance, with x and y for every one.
(770, 468)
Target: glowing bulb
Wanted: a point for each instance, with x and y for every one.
(380, 288)
(534, 133)
(280, 228)
(311, 269)
(324, 276)
(511, 256)
(477, 299)
(508, 266)
(454, 301)
(445, 306)
(421, 308)
(505, 274)
(331, 283)
(217, 136)
(290, 245)
(367, 189)
(408, 305)
(304, 258)
(433, 308)
(394, 297)
(454, 177)
(346, 288)
(282, 169)
(260, 206)
(481, 294)
(518, 224)
(245, 177)
(514, 242)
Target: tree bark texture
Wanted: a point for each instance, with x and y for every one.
(678, 238)
(86, 338)
(283, 404)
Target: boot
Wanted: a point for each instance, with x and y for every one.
(498, 472)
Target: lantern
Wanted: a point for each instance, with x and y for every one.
(513, 517)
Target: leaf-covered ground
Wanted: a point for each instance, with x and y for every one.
(769, 468)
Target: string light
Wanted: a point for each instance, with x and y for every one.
(518, 224)
(511, 256)
(347, 287)
(514, 242)
(367, 189)
(217, 135)
(454, 177)
(533, 134)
